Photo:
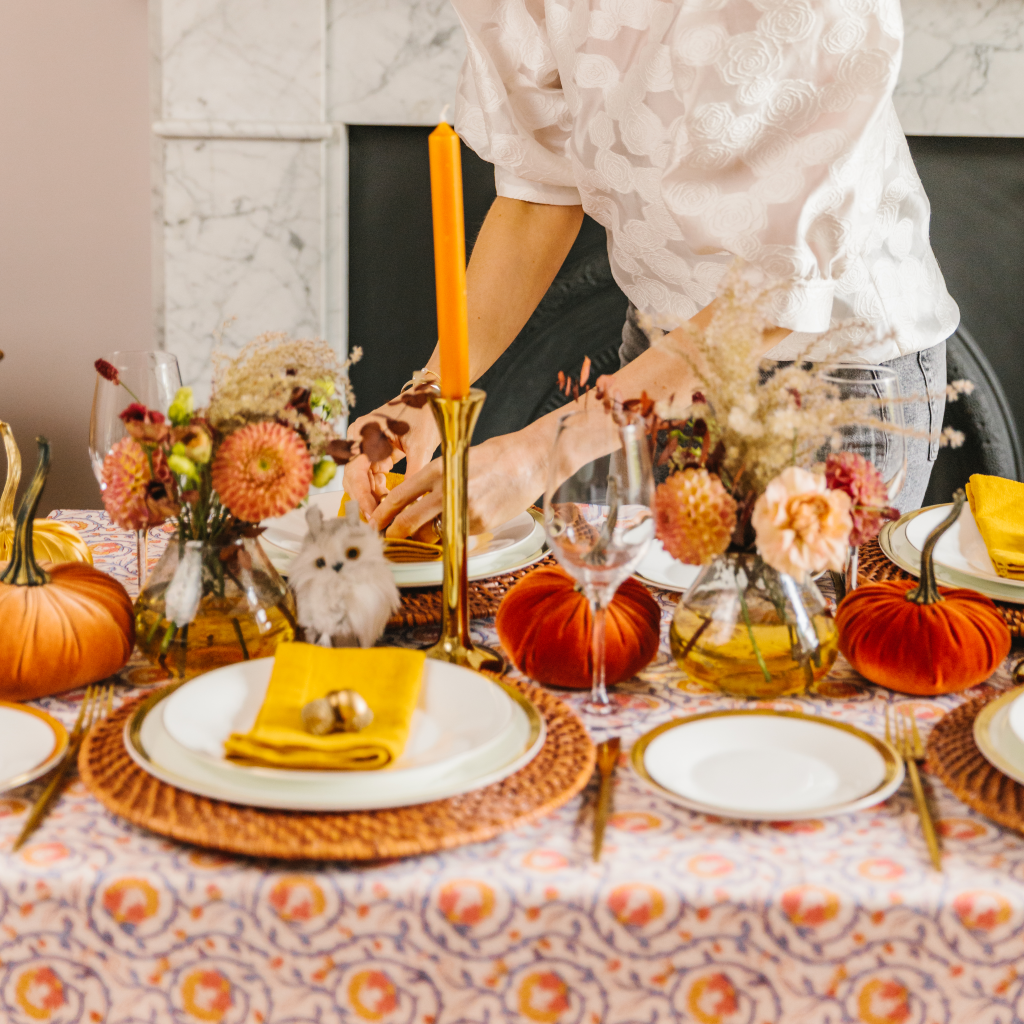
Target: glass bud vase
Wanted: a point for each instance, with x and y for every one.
(207, 605)
(746, 630)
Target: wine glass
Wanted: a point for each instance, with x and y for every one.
(877, 390)
(597, 515)
(152, 378)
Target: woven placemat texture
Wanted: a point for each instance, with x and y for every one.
(874, 566)
(955, 758)
(422, 605)
(554, 776)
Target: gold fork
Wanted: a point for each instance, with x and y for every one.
(907, 741)
(97, 703)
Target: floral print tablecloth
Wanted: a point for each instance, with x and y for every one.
(687, 918)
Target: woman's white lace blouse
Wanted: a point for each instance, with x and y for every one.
(700, 130)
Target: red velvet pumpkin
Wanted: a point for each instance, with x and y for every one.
(921, 639)
(544, 624)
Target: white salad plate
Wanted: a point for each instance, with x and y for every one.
(660, 568)
(467, 732)
(517, 543)
(31, 743)
(767, 765)
(960, 556)
(997, 736)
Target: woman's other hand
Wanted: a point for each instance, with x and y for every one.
(366, 474)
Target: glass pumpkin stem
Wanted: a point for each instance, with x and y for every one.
(598, 703)
(852, 564)
(23, 570)
(141, 554)
(927, 591)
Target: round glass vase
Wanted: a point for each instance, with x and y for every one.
(745, 630)
(207, 605)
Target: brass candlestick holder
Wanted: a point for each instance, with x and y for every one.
(456, 418)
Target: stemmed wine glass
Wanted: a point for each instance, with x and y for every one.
(597, 515)
(877, 391)
(152, 378)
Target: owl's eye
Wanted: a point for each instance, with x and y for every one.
(319, 563)
(352, 554)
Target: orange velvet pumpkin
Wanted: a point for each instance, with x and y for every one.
(921, 639)
(544, 624)
(62, 627)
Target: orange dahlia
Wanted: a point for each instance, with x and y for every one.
(695, 516)
(262, 470)
(133, 495)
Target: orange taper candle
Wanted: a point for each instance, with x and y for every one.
(450, 260)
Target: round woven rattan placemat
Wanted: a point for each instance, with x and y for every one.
(955, 758)
(422, 605)
(874, 566)
(554, 776)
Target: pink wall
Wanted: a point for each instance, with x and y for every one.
(74, 218)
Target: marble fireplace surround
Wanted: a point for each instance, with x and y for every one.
(251, 99)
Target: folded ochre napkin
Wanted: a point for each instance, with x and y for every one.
(388, 678)
(998, 508)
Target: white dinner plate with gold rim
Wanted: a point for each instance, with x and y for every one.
(897, 546)
(995, 736)
(766, 765)
(517, 544)
(31, 743)
(659, 568)
(448, 751)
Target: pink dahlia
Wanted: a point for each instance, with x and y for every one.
(134, 495)
(856, 476)
(262, 470)
(695, 516)
(801, 525)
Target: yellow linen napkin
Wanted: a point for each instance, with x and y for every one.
(998, 507)
(388, 678)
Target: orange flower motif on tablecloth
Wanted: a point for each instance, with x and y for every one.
(10, 806)
(206, 995)
(960, 828)
(296, 898)
(38, 992)
(879, 869)
(545, 860)
(883, 1002)
(372, 994)
(43, 854)
(636, 904)
(129, 901)
(634, 821)
(712, 999)
(710, 865)
(980, 910)
(543, 997)
(809, 906)
(466, 902)
(798, 828)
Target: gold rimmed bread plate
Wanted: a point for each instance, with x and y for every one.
(766, 765)
(31, 743)
(996, 737)
(660, 569)
(468, 731)
(960, 557)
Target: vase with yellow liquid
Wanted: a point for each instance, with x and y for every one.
(745, 630)
(207, 604)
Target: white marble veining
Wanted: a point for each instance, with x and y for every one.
(243, 246)
(963, 68)
(250, 222)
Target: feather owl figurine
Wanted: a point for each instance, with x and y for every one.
(344, 590)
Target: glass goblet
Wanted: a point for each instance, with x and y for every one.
(152, 378)
(876, 390)
(598, 519)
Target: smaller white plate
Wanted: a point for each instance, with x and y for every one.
(31, 743)
(661, 569)
(996, 737)
(767, 765)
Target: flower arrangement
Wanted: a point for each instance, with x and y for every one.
(266, 435)
(744, 455)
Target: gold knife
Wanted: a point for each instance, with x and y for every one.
(607, 758)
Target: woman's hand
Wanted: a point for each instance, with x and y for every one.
(506, 475)
(365, 479)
